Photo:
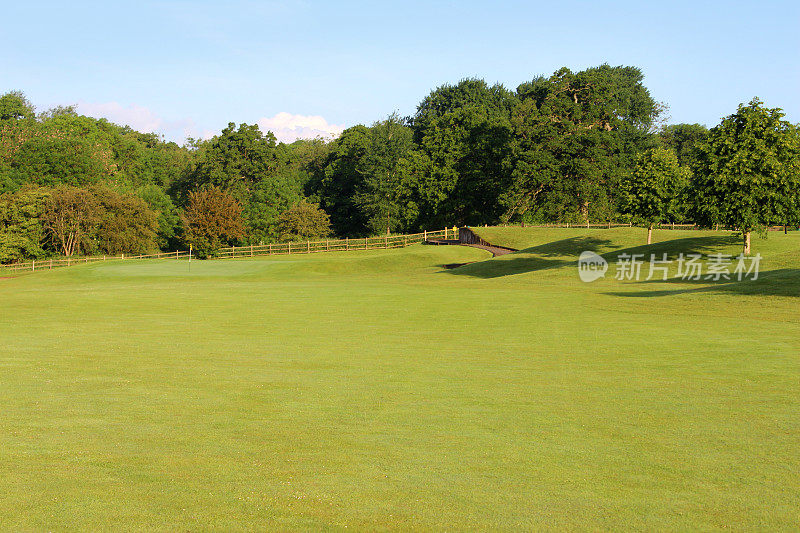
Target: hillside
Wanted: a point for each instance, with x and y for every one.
(375, 390)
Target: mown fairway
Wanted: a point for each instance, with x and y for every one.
(375, 390)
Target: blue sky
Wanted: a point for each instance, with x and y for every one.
(307, 67)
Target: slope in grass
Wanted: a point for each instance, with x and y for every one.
(379, 391)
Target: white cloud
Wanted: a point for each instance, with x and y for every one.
(137, 117)
(288, 128)
(144, 120)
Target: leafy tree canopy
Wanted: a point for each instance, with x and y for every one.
(652, 193)
(748, 171)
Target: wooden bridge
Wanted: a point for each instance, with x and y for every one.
(467, 237)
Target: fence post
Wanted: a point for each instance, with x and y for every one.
(251, 249)
(290, 247)
(424, 235)
(33, 265)
(270, 249)
(445, 233)
(67, 261)
(386, 242)
(51, 264)
(405, 241)
(347, 243)
(308, 246)
(327, 245)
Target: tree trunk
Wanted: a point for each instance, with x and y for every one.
(650, 234)
(746, 243)
(585, 211)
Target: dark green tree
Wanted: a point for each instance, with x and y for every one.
(125, 224)
(463, 133)
(237, 159)
(345, 172)
(21, 230)
(575, 136)
(685, 140)
(167, 215)
(380, 194)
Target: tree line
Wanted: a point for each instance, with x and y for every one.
(572, 147)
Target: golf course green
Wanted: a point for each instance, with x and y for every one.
(379, 390)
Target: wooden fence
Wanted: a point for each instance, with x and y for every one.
(49, 264)
(307, 247)
(233, 252)
(334, 245)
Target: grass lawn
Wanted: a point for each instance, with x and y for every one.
(376, 390)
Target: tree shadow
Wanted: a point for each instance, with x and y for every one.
(780, 282)
(565, 252)
(673, 248)
(542, 257)
(571, 247)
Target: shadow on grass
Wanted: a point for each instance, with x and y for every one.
(673, 248)
(565, 253)
(781, 282)
(546, 256)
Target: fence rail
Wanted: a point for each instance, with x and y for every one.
(309, 247)
(49, 264)
(333, 245)
(234, 252)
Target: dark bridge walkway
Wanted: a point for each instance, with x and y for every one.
(467, 237)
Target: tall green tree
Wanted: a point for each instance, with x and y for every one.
(379, 195)
(748, 171)
(463, 133)
(652, 193)
(345, 172)
(237, 158)
(575, 135)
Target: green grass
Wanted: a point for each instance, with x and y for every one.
(375, 390)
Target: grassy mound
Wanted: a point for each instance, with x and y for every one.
(378, 390)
